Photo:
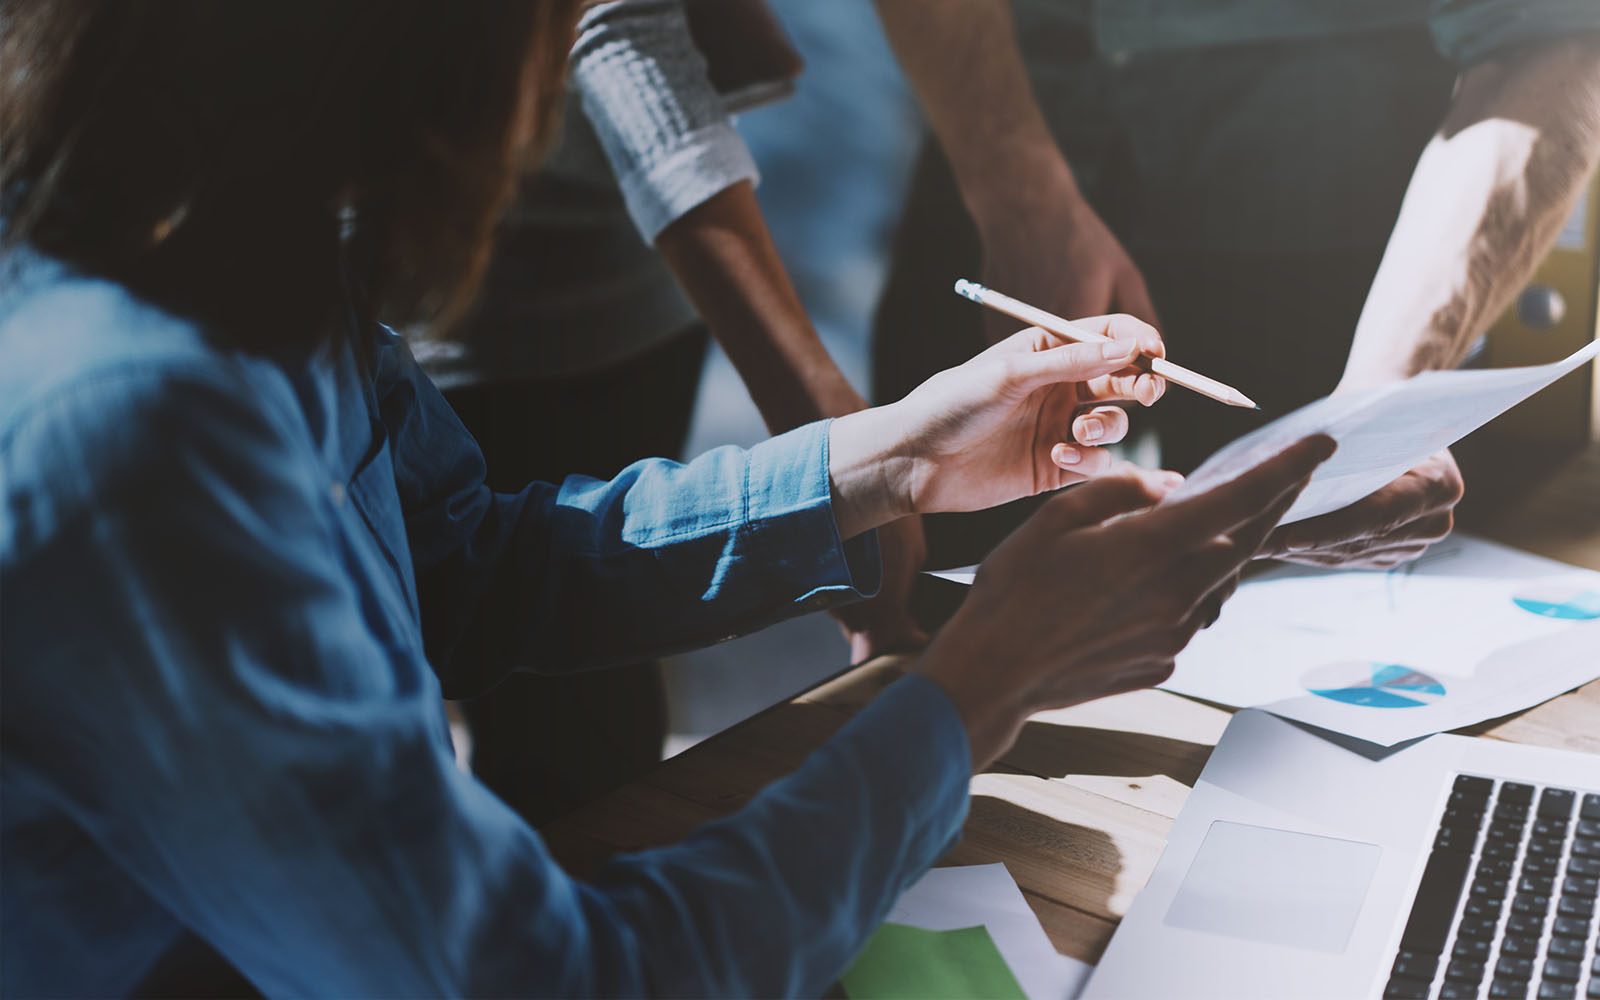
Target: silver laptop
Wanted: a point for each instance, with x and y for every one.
(1451, 867)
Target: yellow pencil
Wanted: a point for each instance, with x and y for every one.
(1176, 374)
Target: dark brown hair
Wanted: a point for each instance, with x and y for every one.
(250, 163)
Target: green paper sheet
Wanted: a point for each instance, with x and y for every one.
(909, 963)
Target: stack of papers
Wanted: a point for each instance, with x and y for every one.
(963, 932)
(1471, 631)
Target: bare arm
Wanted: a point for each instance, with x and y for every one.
(1042, 241)
(1485, 201)
(722, 255)
(1487, 198)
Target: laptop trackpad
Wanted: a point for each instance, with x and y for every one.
(1276, 886)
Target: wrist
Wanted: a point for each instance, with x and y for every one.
(991, 708)
(869, 471)
(1005, 191)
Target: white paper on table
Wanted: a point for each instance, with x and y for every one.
(1452, 619)
(948, 899)
(1383, 431)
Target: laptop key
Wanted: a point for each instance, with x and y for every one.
(1473, 786)
(1476, 928)
(1563, 969)
(1539, 885)
(1543, 845)
(1513, 791)
(1577, 885)
(1588, 827)
(1412, 965)
(1545, 826)
(1575, 906)
(1522, 925)
(1553, 990)
(1570, 927)
(1488, 909)
(1590, 809)
(1470, 949)
(1490, 888)
(1588, 867)
(1443, 878)
(1458, 991)
(1511, 967)
(1586, 847)
(1406, 989)
(1545, 864)
(1529, 903)
(1571, 949)
(1506, 989)
(1556, 803)
(1522, 947)
(1463, 970)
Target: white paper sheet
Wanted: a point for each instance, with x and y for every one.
(946, 899)
(1383, 431)
(1471, 631)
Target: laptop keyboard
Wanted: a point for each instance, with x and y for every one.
(1506, 906)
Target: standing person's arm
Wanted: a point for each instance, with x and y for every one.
(1485, 202)
(688, 181)
(1041, 240)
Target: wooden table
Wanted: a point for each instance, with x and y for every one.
(1080, 808)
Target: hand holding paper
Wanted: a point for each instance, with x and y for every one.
(1383, 432)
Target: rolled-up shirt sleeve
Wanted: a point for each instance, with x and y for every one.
(1468, 31)
(644, 89)
(236, 738)
(665, 556)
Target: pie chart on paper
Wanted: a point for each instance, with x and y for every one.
(1373, 684)
(1555, 601)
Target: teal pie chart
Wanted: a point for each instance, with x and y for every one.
(1371, 684)
(1573, 604)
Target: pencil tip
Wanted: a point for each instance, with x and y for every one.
(969, 289)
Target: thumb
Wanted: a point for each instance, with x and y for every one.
(1069, 363)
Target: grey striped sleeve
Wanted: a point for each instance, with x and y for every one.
(664, 130)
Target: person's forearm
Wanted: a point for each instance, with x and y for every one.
(961, 59)
(1484, 203)
(722, 255)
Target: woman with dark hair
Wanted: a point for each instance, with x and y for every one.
(244, 544)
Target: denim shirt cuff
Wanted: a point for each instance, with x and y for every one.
(789, 491)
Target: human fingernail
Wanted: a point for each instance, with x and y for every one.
(1091, 429)
(1066, 454)
(1117, 349)
(1172, 480)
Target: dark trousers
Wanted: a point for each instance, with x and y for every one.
(547, 744)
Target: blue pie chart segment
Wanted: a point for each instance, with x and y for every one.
(1563, 603)
(1373, 685)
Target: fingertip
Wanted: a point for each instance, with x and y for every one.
(1149, 388)
(1065, 456)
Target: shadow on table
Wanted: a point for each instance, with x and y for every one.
(1051, 750)
(1060, 862)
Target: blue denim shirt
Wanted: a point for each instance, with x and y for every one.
(233, 590)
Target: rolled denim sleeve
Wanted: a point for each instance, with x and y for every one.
(1468, 31)
(195, 684)
(666, 556)
(663, 127)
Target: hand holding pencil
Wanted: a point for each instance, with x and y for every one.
(1076, 333)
